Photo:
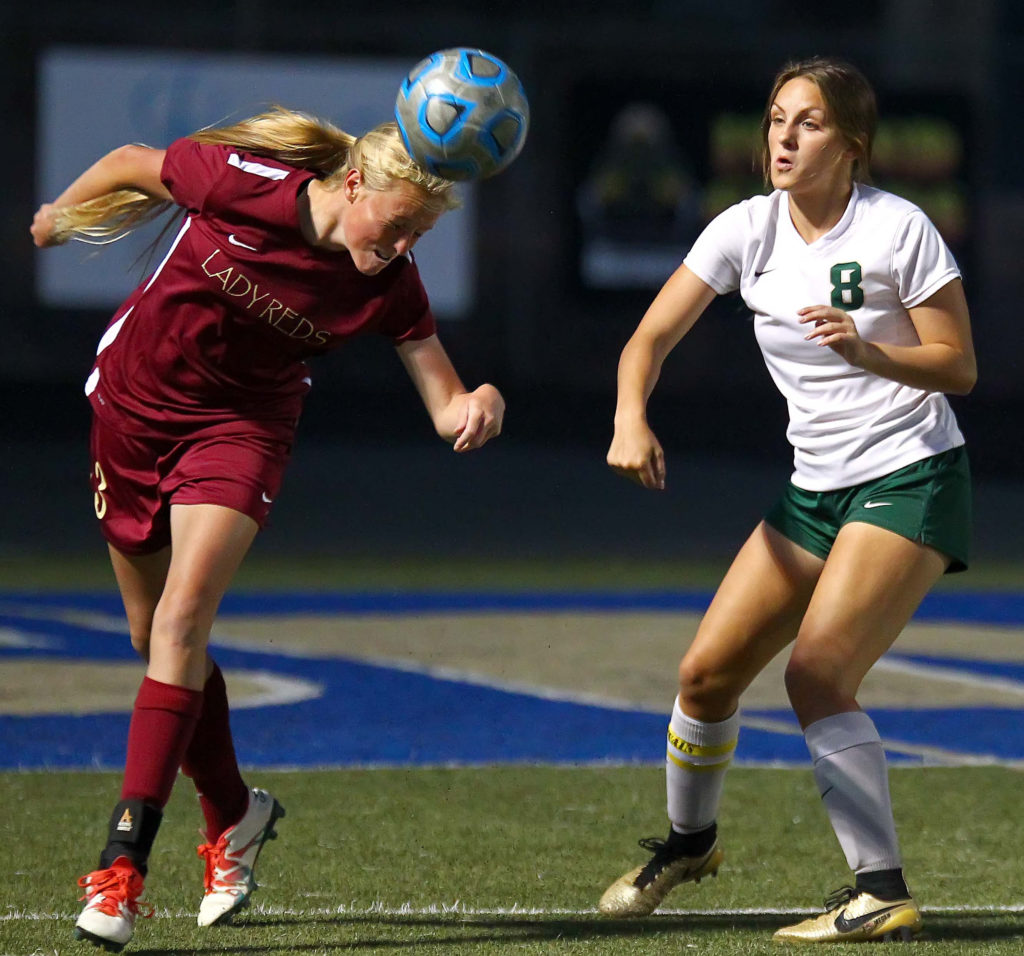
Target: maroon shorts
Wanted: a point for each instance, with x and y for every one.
(135, 480)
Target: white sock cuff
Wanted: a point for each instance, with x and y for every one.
(839, 732)
(702, 733)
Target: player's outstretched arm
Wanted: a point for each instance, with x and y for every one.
(466, 419)
(127, 167)
(635, 452)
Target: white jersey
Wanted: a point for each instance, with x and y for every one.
(884, 256)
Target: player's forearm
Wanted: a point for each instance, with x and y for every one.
(935, 367)
(639, 370)
(672, 314)
(127, 167)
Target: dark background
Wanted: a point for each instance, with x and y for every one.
(367, 476)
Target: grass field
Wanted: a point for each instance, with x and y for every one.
(513, 859)
(487, 861)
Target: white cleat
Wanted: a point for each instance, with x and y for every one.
(112, 904)
(229, 880)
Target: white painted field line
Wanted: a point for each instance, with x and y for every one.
(896, 664)
(893, 664)
(459, 909)
(273, 690)
(443, 672)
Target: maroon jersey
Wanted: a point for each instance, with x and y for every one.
(214, 341)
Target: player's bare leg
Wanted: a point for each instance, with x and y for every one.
(846, 629)
(843, 634)
(140, 579)
(188, 582)
(755, 613)
(210, 542)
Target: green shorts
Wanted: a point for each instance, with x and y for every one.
(928, 501)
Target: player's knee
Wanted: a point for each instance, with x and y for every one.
(140, 642)
(811, 684)
(140, 626)
(181, 622)
(703, 690)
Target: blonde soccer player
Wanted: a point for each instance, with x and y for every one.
(296, 237)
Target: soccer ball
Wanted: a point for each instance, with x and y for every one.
(462, 114)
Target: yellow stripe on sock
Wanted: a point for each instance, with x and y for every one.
(695, 750)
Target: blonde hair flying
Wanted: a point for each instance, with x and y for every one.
(294, 138)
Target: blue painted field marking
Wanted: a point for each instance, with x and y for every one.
(976, 607)
(380, 715)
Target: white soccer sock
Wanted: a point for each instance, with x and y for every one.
(698, 755)
(850, 769)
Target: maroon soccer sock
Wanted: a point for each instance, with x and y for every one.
(162, 725)
(211, 763)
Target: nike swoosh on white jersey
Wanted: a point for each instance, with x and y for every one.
(877, 504)
(238, 242)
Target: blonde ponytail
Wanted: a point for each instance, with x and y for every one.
(107, 218)
(288, 136)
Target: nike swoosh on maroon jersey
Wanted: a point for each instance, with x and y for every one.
(238, 242)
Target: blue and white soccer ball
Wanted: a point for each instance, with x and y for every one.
(462, 114)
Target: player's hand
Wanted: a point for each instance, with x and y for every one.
(636, 453)
(42, 227)
(834, 328)
(482, 414)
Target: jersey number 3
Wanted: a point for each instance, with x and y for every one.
(847, 293)
(99, 499)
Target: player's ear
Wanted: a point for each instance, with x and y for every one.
(352, 183)
(853, 151)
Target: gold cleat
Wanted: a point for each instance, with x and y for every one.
(640, 891)
(853, 916)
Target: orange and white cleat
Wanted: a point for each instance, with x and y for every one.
(112, 904)
(229, 880)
